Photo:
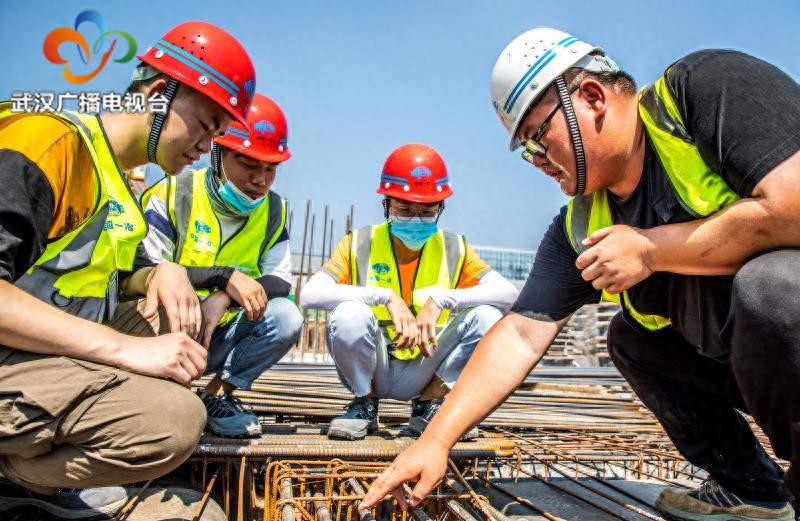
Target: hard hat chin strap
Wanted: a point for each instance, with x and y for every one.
(216, 158)
(574, 133)
(158, 121)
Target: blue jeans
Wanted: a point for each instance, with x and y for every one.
(243, 349)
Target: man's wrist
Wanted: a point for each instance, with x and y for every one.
(650, 255)
(430, 437)
(224, 277)
(106, 347)
(222, 294)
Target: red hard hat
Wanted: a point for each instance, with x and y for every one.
(265, 138)
(207, 59)
(415, 173)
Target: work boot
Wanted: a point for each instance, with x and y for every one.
(230, 418)
(422, 412)
(712, 502)
(360, 419)
(67, 503)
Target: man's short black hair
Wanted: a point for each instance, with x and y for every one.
(140, 85)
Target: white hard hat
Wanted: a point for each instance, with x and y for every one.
(529, 64)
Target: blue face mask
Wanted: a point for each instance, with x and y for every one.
(238, 200)
(414, 232)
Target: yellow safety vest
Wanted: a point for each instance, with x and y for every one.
(198, 241)
(700, 190)
(373, 264)
(78, 271)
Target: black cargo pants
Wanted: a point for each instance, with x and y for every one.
(697, 399)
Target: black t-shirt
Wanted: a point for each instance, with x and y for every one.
(744, 116)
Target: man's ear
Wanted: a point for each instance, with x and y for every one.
(595, 96)
(158, 86)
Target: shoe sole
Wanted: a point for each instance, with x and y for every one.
(65, 513)
(229, 433)
(687, 516)
(342, 434)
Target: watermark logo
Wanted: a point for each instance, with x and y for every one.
(65, 34)
(421, 172)
(89, 102)
(264, 127)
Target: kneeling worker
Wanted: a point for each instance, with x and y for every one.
(225, 225)
(402, 289)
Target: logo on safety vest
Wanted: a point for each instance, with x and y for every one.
(378, 270)
(114, 208)
(65, 34)
(420, 172)
(264, 127)
(201, 228)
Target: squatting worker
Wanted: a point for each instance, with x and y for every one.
(409, 300)
(228, 228)
(83, 405)
(685, 209)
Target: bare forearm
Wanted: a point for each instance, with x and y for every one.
(31, 325)
(722, 242)
(502, 360)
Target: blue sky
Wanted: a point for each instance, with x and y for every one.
(357, 79)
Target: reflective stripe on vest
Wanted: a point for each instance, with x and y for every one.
(373, 264)
(198, 241)
(699, 189)
(78, 272)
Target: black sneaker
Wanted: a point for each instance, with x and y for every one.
(710, 501)
(230, 418)
(423, 412)
(67, 503)
(361, 418)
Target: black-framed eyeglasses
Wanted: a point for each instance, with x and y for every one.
(533, 145)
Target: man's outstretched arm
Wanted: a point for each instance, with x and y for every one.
(500, 363)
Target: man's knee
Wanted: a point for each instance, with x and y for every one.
(287, 318)
(765, 290)
(483, 317)
(620, 341)
(180, 409)
(350, 322)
